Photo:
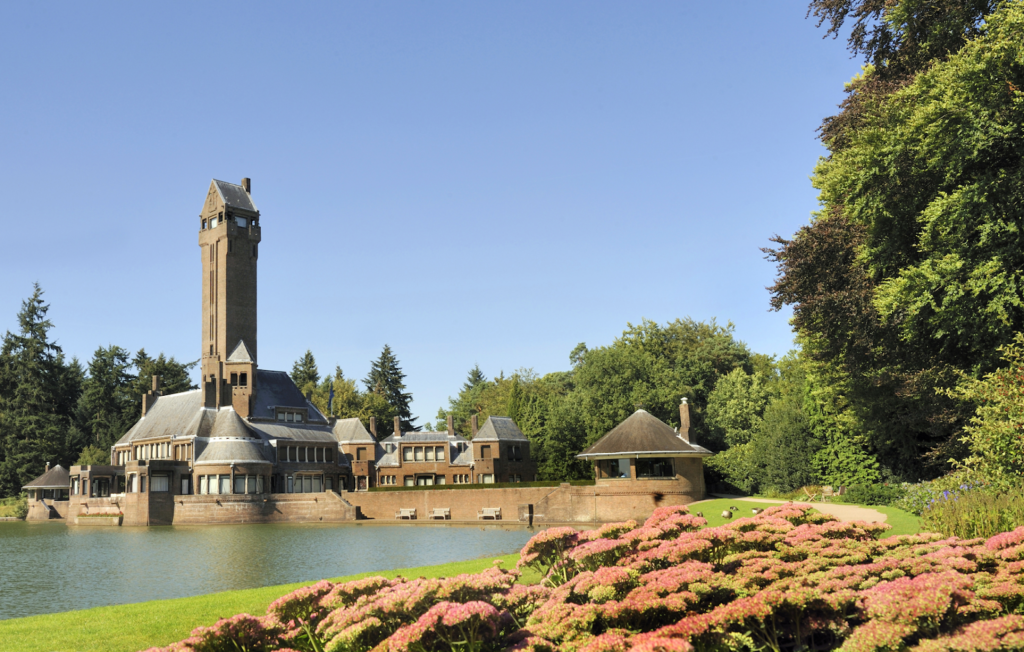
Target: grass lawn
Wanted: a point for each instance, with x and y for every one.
(712, 509)
(902, 522)
(160, 622)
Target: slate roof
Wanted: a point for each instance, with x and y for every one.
(56, 478)
(276, 389)
(352, 431)
(235, 196)
(241, 353)
(642, 433)
(499, 429)
(173, 415)
(226, 451)
(463, 458)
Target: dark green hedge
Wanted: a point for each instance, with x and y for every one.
(498, 485)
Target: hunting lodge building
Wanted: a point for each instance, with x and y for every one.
(247, 446)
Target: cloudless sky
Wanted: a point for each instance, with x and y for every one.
(472, 183)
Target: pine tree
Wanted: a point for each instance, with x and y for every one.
(174, 376)
(474, 378)
(106, 409)
(305, 374)
(385, 379)
(37, 396)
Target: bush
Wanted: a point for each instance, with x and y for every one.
(974, 512)
(786, 579)
(16, 506)
(874, 494)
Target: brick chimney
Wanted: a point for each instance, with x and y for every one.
(451, 425)
(373, 427)
(684, 421)
(47, 467)
(156, 385)
(247, 184)
(398, 427)
(473, 422)
(149, 398)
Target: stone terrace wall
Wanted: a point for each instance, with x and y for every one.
(325, 507)
(562, 504)
(39, 510)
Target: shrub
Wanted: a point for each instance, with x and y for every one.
(16, 506)
(874, 494)
(917, 497)
(975, 512)
(786, 579)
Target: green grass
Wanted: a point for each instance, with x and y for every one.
(712, 509)
(902, 522)
(161, 622)
(16, 506)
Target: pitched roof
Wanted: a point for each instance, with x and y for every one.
(226, 451)
(56, 478)
(235, 196)
(642, 433)
(241, 353)
(352, 431)
(277, 389)
(172, 415)
(499, 429)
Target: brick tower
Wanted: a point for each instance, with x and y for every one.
(229, 236)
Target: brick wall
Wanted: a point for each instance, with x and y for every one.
(325, 507)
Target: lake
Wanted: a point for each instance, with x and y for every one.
(50, 567)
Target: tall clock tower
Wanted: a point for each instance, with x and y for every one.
(229, 237)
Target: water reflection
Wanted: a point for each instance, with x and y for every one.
(49, 567)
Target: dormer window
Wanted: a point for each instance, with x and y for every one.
(241, 222)
(290, 416)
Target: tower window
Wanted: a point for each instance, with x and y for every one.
(204, 224)
(234, 380)
(243, 379)
(230, 247)
(254, 251)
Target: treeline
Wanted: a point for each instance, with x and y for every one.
(56, 410)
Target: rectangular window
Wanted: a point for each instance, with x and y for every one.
(74, 486)
(430, 453)
(161, 484)
(289, 417)
(225, 484)
(359, 454)
(328, 484)
(239, 484)
(419, 453)
(230, 245)
(307, 484)
(250, 484)
(485, 452)
(330, 455)
(320, 455)
(407, 453)
(410, 481)
(302, 453)
(243, 380)
(259, 484)
(202, 485)
(291, 488)
(317, 484)
(185, 482)
(234, 380)
(440, 479)
(142, 484)
(280, 416)
(514, 453)
(439, 453)
(654, 467)
(486, 478)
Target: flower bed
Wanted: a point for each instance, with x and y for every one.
(785, 579)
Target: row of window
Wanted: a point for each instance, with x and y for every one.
(221, 484)
(290, 417)
(305, 454)
(241, 222)
(423, 453)
(646, 467)
(388, 479)
(513, 452)
(240, 380)
(159, 451)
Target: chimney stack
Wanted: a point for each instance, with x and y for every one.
(451, 425)
(398, 427)
(247, 184)
(684, 421)
(475, 427)
(47, 466)
(156, 384)
(373, 427)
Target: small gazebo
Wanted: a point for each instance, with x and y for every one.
(643, 448)
(46, 490)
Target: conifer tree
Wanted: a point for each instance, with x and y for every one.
(305, 374)
(474, 378)
(385, 379)
(38, 391)
(106, 409)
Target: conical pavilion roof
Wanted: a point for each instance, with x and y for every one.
(642, 433)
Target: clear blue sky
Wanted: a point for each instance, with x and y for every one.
(475, 182)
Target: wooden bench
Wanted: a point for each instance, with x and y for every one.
(409, 513)
(490, 512)
(810, 495)
(443, 513)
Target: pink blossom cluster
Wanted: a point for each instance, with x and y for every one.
(785, 579)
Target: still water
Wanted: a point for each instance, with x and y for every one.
(50, 567)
